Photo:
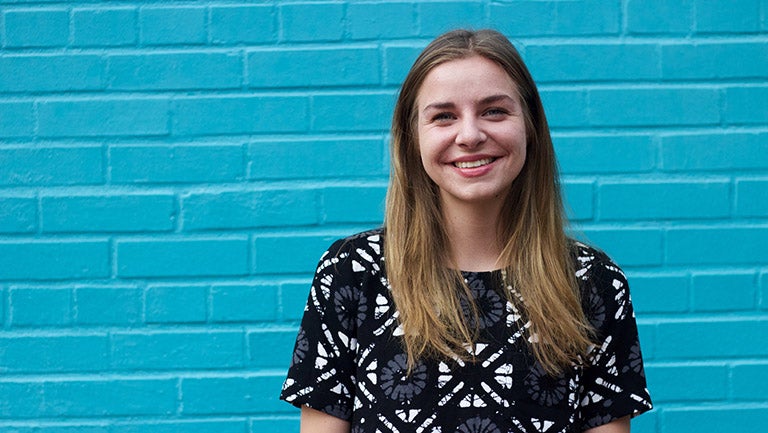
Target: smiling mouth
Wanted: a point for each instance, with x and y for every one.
(474, 164)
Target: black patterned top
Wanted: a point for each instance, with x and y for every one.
(349, 362)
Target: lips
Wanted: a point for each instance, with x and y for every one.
(474, 164)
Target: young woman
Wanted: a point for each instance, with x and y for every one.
(470, 310)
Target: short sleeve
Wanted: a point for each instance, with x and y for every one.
(614, 378)
(321, 374)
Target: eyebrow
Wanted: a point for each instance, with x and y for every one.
(487, 100)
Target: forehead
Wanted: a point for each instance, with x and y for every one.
(466, 78)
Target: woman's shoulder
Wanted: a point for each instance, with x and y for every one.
(591, 262)
(361, 250)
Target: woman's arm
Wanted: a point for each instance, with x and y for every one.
(620, 425)
(314, 421)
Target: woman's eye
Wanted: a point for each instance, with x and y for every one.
(442, 117)
(495, 112)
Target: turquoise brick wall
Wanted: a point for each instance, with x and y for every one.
(171, 171)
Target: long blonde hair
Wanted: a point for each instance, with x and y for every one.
(535, 255)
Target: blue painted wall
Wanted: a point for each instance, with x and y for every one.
(171, 171)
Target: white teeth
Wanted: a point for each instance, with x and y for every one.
(473, 164)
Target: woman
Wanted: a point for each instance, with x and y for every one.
(470, 310)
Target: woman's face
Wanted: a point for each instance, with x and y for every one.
(471, 130)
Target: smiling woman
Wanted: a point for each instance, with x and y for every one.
(470, 310)
(471, 134)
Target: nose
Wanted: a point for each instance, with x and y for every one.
(470, 134)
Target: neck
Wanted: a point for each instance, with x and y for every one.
(473, 235)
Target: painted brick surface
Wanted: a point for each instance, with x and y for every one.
(18, 214)
(153, 164)
(108, 305)
(172, 25)
(36, 27)
(104, 26)
(171, 172)
(53, 72)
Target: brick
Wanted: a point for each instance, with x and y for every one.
(174, 71)
(337, 66)
(108, 213)
(660, 293)
(579, 199)
(362, 112)
(54, 427)
(108, 305)
(104, 26)
(718, 17)
(186, 426)
(293, 299)
(240, 115)
(242, 24)
(733, 291)
(244, 303)
(168, 350)
(302, 158)
(53, 353)
(653, 106)
(648, 423)
(752, 197)
(628, 200)
(715, 419)
(436, 18)
(714, 60)
(311, 22)
(712, 338)
(764, 292)
(110, 397)
(176, 163)
(715, 151)
(52, 72)
(764, 10)
(248, 209)
(687, 382)
(555, 18)
(593, 154)
(103, 117)
(16, 119)
(730, 245)
(369, 20)
(523, 19)
(53, 259)
(659, 16)
(176, 304)
(296, 253)
(554, 62)
(162, 25)
(40, 306)
(232, 395)
(398, 59)
(48, 166)
(18, 214)
(271, 348)
(588, 17)
(2, 305)
(27, 398)
(41, 27)
(558, 106)
(745, 381)
(628, 246)
(354, 204)
(182, 257)
(746, 105)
